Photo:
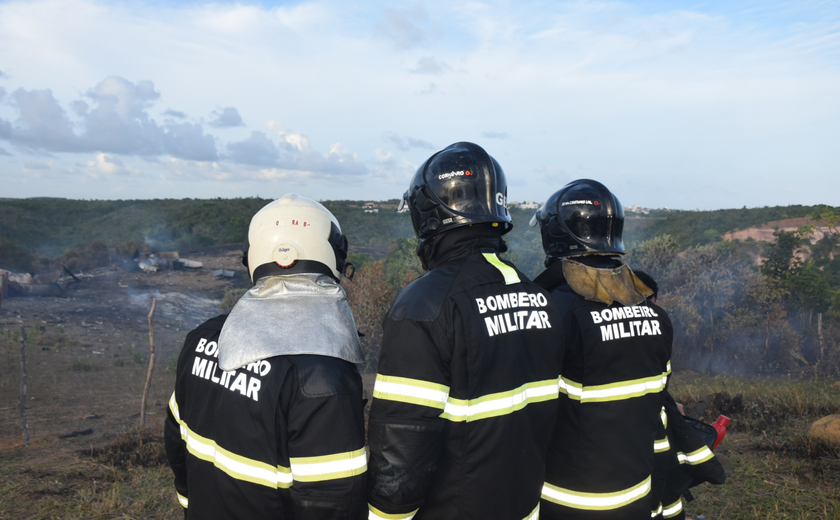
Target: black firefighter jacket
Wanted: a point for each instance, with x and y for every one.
(281, 438)
(686, 461)
(465, 395)
(615, 370)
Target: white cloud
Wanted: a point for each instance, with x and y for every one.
(228, 117)
(406, 143)
(104, 164)
(431, 66)
(722, 92)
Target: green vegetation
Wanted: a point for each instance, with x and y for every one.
(693, 228)
(230, 298)
(136, 357)
(730, 317)
(84, 231)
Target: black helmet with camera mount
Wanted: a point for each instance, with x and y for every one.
(583, 217)
(458, 186)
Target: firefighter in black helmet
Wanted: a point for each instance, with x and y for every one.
(616, 363)
(467, 383)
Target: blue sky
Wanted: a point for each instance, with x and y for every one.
(670, 104)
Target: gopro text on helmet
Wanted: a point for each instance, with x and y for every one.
(459, 173)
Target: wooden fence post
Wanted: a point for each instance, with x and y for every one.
(151, 364)
(24, 371)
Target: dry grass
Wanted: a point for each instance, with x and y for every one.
(779, 471)
(123, 477)
(120, 472)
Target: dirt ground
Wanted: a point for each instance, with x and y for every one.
(88, 352)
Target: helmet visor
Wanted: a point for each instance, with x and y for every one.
(465, 186)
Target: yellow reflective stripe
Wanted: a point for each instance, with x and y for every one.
(329, 467)
(695, 457)
(502, 403)
(570, 388)
(184, 501)
(534, 515)
(661, 445)
(507, 271)
(236, 466)
(412, 391)
(664, 417)
(613, 391)
(173, 405)
(375, 514)
(595, 501)
(657, 511)
(673, 509)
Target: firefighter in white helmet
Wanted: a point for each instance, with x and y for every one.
(267, 417)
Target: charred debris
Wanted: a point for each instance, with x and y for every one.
(58, 282)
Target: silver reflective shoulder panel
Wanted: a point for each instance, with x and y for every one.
(287, 315)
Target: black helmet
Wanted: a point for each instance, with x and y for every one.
(457, 186)
(583, 217)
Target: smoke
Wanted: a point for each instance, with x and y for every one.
(188, 311)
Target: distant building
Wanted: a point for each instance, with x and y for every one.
(528, 204)
(637, 209)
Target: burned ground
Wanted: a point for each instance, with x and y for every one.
(88, 352)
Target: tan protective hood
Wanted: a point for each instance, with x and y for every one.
(605, 285)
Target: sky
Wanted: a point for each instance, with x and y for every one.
(685, 105)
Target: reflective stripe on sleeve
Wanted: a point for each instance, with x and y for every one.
(595, 501)
(695, 457)
(412, 391)
(173, 405)
(236, 466)
(661, 445)
(656, 512)
(614, 391)
(507, 271)
(502, 403)
(375, 514)
(535, 514)
(184, 501)
(672, 510)
(664, 417)
(329, 467)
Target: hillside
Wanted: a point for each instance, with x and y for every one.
(692, 228)
(51, 226)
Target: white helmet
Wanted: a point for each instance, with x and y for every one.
(295, 235)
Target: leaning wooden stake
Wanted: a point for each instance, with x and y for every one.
(822, 345)
(151, 364)
(24, 371)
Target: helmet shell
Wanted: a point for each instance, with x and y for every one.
(582, 217)
(295, 234)
(458, 186)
